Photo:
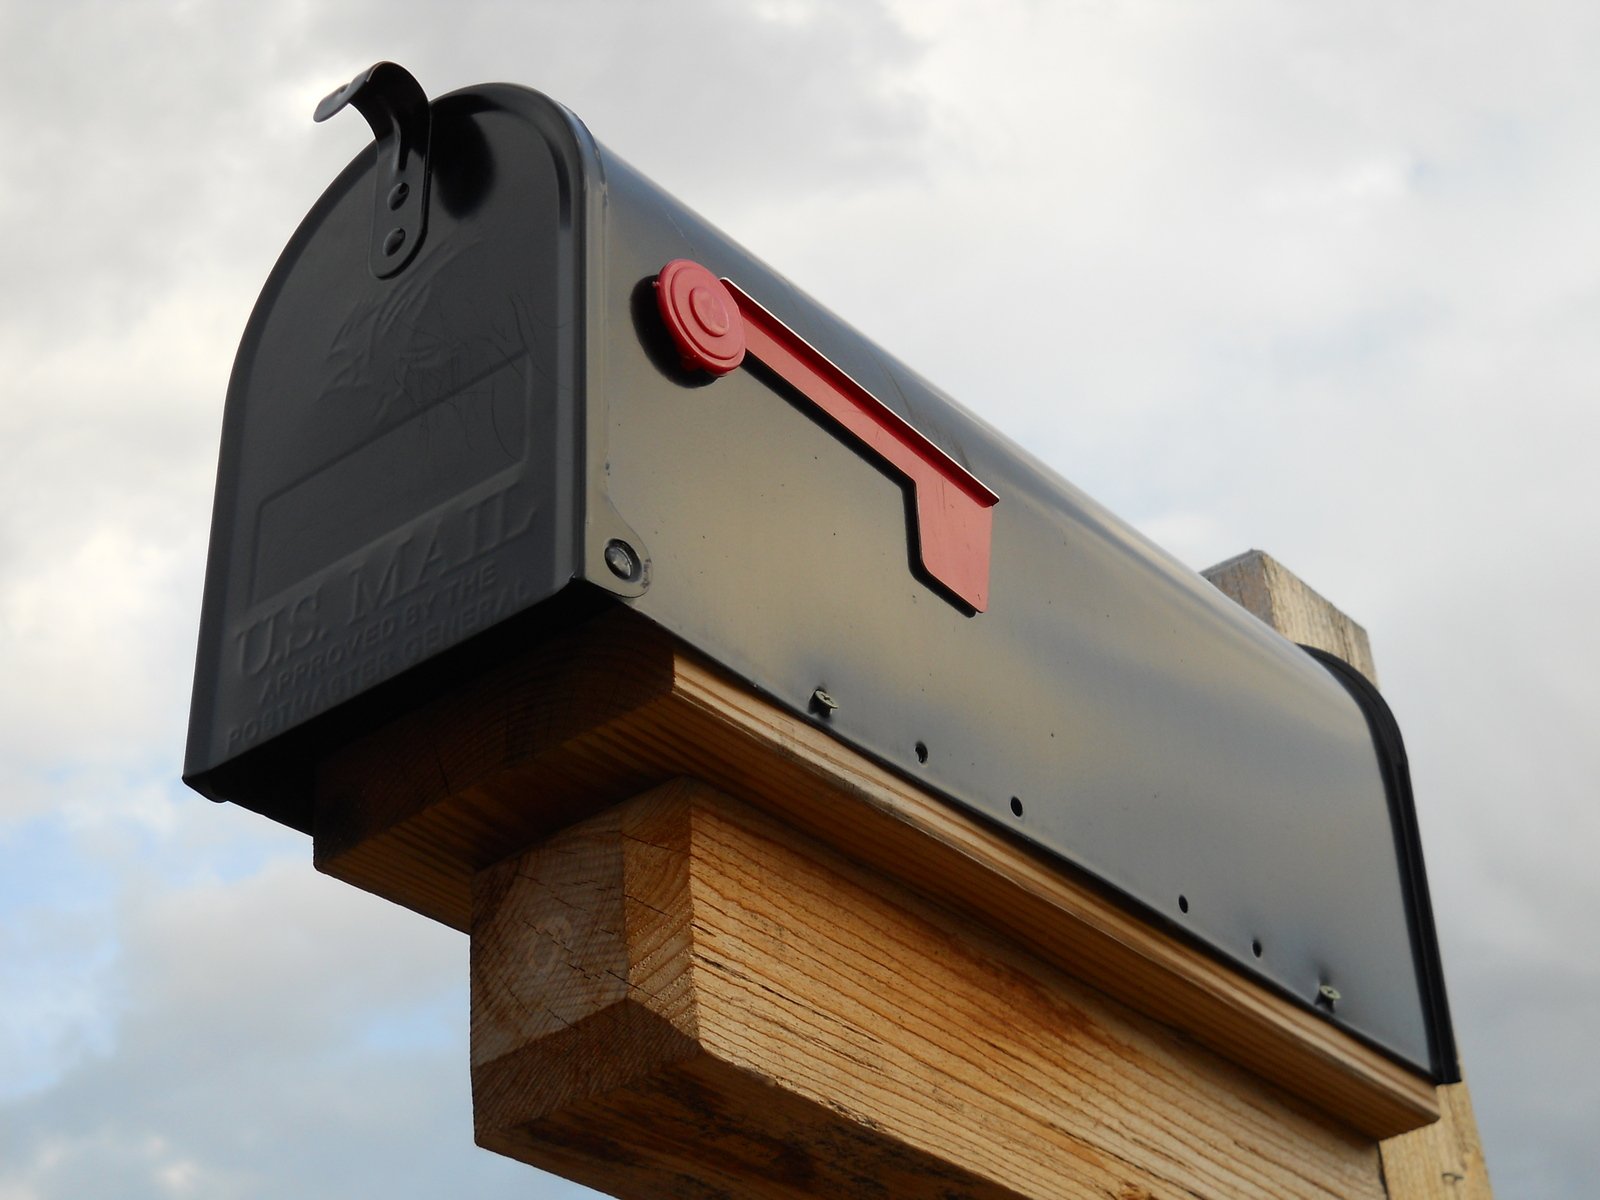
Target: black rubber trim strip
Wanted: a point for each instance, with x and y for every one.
(1413, 873)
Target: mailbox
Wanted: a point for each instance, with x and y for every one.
(499, 380)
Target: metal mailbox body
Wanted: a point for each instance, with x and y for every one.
(410, 461)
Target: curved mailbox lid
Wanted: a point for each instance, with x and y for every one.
(1144, 727)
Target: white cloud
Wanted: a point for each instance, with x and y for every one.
(237, 1066)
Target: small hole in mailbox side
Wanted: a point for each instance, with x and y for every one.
(1183, 904)
(1016, 806)
(922, 752)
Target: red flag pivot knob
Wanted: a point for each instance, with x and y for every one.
(702, 317)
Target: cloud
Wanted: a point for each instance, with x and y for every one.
(1318, 279)
(244, 1059)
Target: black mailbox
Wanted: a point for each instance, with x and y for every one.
(499, 379)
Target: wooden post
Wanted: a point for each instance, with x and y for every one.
(1444, 1160)
(717, 953)
(683, 996)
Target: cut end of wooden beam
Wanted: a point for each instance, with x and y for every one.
(412, 811)
(1266, 588)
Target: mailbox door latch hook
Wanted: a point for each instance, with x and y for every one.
(396, 107)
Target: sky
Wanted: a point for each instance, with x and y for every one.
(1322, 279)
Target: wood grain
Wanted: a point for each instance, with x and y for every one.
(1275, 594)
(1442, 1161)
(684, 997)
(413, 811)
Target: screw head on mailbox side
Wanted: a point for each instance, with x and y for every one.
(622, 561)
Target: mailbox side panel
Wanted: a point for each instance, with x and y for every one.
(1109, 706)
(399, 458)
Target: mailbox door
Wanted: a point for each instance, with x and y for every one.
(400, 456)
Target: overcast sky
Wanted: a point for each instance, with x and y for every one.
(1318, 278)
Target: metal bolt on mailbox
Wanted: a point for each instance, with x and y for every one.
(499, 381)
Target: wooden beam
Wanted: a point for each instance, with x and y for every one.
(1444, 1160)
(1275, 594)
(684, 997)
(571, 727)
